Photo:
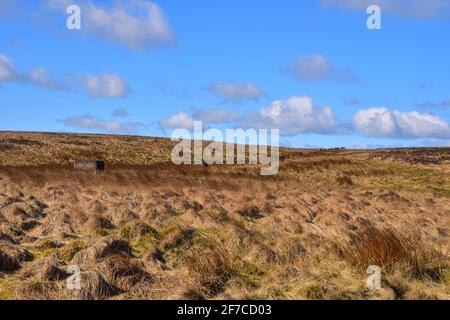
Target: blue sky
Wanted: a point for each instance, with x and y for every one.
(310, 68)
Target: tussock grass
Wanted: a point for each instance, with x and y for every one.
(390, 249)
(101, 249)
(36, 290)
(210, 268)
(122, 272)
(67, 252)
(146, 229)
(94, 287)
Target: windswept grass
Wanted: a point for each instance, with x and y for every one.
(210, 268)
(390, 249)
(147, 229)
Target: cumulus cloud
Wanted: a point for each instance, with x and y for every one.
(104, 85)
(92, 123)
(207, 115)
(137, 24)
(293, 116)
(119, 113)
(97, 86)
(420, 9)
(232, 92)
(41, 77)
(38, 76)
(317, 67)
(181, 120)
(7, 70)
(300, 115)
(381, 122)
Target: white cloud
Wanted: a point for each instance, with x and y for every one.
(98, 86)
(88, 122)
(293, 116)
(38, 76)
(232, 92)
(208, 116)
(312, 68)
(7, 70)
(104, 86)
(41, 77)
(138, 24)
(420, 9)
(381, 122)
(317, 67)
(375, 122)
(181, 120)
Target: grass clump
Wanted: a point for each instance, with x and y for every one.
(67, 252)
(48, 245)
(137, 230)
(253, 273)
(210, 269)
(316, 292)
(391, 249)
(103, 232)
(144, 244)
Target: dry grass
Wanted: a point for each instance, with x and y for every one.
(390, 249)
(210, 268)
(94, 287)
(250, 212)
(145, 229)
(71, 249)
(344, 181)
(122, 272)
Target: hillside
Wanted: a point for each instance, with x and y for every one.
(146, 229)
(17, 149)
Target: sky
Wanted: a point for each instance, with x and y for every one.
(312, 69)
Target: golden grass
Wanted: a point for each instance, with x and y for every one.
(145, 229)
(389, 249)
(210, 268)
